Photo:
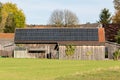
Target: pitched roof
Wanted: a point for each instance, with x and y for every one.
(90, 25)
(87, 25)
(56, 34)
(6, 35)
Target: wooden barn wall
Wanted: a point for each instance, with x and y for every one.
(111, 48)
(48, 48)
(6, 47)
(84, 53)
(20, 54)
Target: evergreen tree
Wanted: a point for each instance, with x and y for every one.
(105, 17)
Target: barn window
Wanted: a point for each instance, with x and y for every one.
(36, 51)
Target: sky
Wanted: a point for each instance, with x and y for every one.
(39, 11)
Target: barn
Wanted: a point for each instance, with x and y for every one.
(60, 43)
(6, 44)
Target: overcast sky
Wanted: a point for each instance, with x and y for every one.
(39, 11)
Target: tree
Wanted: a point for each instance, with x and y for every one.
(70, 19)
(116, 17)
(0, 12)
(116, 4)
(64, 18)
(0, 16)
(117, 37)
(56, 18)
(12, 18)
(10, 24)
(105, 16)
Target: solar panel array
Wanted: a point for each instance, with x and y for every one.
(57, 34)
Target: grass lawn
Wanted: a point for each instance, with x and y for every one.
(43, 69)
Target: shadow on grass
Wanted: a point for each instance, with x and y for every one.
(99, 75)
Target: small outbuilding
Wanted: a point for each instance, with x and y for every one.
(6, 44)
(60, 43)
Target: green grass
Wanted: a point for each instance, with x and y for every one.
(100, 75)
(43, 69)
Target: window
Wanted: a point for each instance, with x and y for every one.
(36, 51)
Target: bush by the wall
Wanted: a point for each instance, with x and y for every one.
(70, 50)
(116, 54)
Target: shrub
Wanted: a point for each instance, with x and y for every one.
(116, 54)
(70, 50)
(89, 53)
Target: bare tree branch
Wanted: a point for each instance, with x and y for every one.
(64, 18)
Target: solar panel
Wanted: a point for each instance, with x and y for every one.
(57, 34)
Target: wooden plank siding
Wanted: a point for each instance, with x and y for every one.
(111, 48)
(20, 54)
(81, 53)
(26, 54)
(44, 51)
(89, 42)
(6, 47)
